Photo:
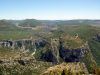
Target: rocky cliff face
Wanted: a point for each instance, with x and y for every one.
(58, 52)
(23, 44)
(72, 55)
(19, 44)
(67, 55)
(55, 52)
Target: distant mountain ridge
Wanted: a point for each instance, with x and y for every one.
(34, 22)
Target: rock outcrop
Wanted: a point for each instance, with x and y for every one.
(67, 69)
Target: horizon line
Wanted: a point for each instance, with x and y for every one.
(49, 19)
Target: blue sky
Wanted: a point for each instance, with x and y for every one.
(50, 9)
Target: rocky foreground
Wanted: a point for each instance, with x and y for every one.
(47, 57)
(67, 69)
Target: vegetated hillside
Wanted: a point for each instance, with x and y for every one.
(74, 34)
(8, 30)
(78, 22)
(16, 62)
(30, 23)
(6, 25)
(95, 48)
(85, 31)
(34, 22)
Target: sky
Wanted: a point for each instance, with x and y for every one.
(50, 9)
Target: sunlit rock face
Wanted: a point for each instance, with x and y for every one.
(23, 44)
(6, 43)
(17, 44)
